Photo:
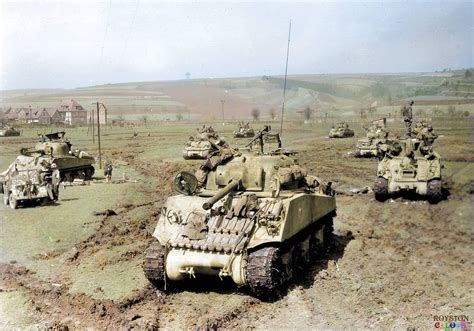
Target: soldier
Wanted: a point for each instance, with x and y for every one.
(108, 171)
(55, 180)
(407, 114)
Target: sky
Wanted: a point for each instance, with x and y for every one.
(73, 43)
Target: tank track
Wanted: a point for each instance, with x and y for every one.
(270, 267)
(435, 190)
(154, 264)
(381, 189)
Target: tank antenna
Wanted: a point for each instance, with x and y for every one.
(284, 84)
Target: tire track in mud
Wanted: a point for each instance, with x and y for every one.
(52, 304)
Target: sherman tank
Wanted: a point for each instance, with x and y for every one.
(409, 165)
(254, 218)
(202, 145)
(244, 131)
(9, 132)
(373, 144)
(28, 179)
(341, 130)
(55, 148)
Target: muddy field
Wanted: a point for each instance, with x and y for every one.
(394, 265)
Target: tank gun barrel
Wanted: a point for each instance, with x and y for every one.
(234, 184)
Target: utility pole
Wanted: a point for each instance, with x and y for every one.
(93, 129)
(98, 104)
(98, 137)
(223, 119)
(284, 85)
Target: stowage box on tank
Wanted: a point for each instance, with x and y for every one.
(256, 219)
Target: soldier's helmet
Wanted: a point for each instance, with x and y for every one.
(430, 128)
(412, 102)
(54, 166)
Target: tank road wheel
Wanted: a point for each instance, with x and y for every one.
(381, 189)
(265, 272)
(357, 153)
(154, 264)
(12, 201)
(435, 190)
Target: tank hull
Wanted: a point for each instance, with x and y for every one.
(420, 175)
(223, 245)
(341, 133)
(9, 133)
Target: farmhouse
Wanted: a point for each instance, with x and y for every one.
(72, 112)
(66, 112)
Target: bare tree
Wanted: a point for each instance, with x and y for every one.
(272, 113)
(256, 114)
(308, 112)
(145, 119)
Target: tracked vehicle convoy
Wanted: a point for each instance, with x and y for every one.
(341, 130)
(410, 165)
(202, 145)
(253, 217)
(55, 148)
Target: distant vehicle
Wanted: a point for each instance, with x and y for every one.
(257, 218)
(341, 130)
(27, 180)
(8, 131)
(244, 131)
(409, 165)
(201, 146)
(372, 145)
(55, 148)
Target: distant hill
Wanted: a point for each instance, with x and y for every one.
(205, 98)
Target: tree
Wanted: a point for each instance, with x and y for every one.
(466, 113)
(179, 117)
(272, 113)
(187, 75)
(145, 119)
(307, 113)
(255, 114)
(362, 114)
(467, 74)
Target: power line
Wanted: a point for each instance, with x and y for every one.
(129, 31)
(105, 34)
(284, 85)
